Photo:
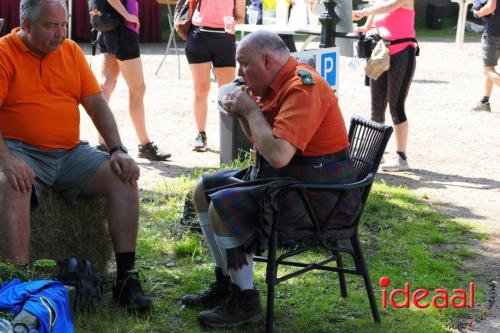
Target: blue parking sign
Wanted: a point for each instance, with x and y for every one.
(325, 61)
(329, 67)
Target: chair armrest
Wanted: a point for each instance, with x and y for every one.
(239, 182)
(336, 187)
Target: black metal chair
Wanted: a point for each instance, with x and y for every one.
(368, 141)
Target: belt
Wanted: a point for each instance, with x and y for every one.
(301, 161)
(210, 29)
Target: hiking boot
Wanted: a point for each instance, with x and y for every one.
(151, 152)
(241, 307)
(396, 165)
(128, 292)
(480, 106)
(215, 293)
(102, 147)
(200, 142)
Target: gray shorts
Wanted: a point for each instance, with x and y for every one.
(491, 50)
(65, 171)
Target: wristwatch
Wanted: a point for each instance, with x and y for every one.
(118, 148)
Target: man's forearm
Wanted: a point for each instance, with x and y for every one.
(246, 128)
(102, 117)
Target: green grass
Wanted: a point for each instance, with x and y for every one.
(403, 238)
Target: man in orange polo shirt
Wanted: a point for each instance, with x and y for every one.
(293, 119)
(43, 79)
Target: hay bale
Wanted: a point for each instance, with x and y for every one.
(60, 230)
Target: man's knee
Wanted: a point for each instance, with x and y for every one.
(200, 198)
(9, 196)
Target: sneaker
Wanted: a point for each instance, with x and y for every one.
(102, 147)
(128, 292)
(151, 152)
(215, 293)
(241, 307)
(396, 165)
(482, 107)
(200, 142)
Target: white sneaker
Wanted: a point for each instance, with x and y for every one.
(396, 165)
(482, 107)
(200, 142)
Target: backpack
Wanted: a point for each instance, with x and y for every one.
(81, 274)
(182, 16)
(103, 17)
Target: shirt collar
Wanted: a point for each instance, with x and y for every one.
(284, 74)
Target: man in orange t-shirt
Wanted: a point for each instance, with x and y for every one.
(43, 79)
(293, 119)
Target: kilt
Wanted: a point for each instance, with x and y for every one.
(240, 206)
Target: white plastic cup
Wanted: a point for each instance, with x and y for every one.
(252, 16)
(229, 24)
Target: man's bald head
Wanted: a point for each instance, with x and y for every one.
(265, 41)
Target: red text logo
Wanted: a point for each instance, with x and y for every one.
(422, 298)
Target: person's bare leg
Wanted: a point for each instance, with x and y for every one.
(492, 75)
(401, 132)
(201, 85)
(14, 223)
(109, 77)
(488, 87)
(224, 75)
(123, 206)
(133, 75)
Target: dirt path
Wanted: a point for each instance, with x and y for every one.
(454, 153)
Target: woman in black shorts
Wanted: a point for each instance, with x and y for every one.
(211, 44)
(120, 49)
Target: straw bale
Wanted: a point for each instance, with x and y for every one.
(60, 230)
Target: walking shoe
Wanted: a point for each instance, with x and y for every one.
(396, 165)
(102, 147)
(128, 292)
(241, 307)
(215, 293)
(482, 107)
(200, 142)
(151, 152)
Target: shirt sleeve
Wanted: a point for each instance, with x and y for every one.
(89, 84)
(4, 80)
(300, 115)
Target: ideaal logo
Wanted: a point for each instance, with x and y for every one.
(440, 298)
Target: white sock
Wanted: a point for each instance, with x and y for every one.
(219, 254)
(243, 277)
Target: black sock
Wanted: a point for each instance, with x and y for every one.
(485, 99)
(124, 262)
(402, 155)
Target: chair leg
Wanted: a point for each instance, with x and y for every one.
(271, 275)
(361, 266)
(343, 286)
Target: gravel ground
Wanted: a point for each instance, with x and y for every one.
(454, 152)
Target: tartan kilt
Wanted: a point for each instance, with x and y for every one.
(240, 206)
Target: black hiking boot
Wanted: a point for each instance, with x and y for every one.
(127, 291)
(215, 293)
(243, 306)
(151, 152)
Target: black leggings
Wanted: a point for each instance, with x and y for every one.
(392, 87)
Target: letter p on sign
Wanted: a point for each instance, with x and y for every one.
(329, 67)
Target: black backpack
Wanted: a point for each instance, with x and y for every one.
(81, 274)
(103, 17)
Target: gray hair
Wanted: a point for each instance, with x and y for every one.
(263, 40)
(30, 9)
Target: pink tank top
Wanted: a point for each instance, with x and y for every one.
(132, 8)
(397, 24)
(211, 13)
